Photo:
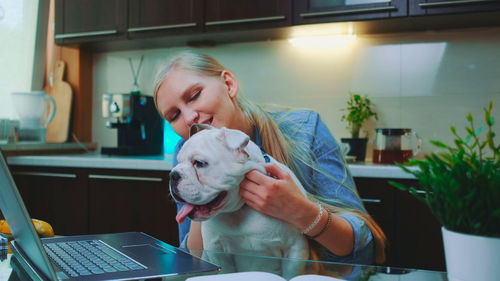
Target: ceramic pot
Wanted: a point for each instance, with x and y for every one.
(357, 147)
(471, 257)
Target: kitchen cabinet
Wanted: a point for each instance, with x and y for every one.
(79, 21)
(129, 24)
(413, 233)
(320, 11)
(163, 17)
(378, 199)
(418, 234)
(83, 201)
(55, 195)
(128, 200)
(246, 14)
(435, 7)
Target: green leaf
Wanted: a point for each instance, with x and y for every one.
(398, 185)
(453, 130)
(469, 118)
(491, 121)
(470, 131)
(479, 130)
(439, 144)
(467, 138)
(487, 116)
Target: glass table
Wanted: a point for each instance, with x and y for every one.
(232, 262)
(288, 268)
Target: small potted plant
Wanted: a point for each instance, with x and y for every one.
(461, 185)
(359, 109)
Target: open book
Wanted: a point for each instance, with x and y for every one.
(261, 276)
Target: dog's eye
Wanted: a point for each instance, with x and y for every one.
(199, 164)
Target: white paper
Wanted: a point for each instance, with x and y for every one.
(261, 276)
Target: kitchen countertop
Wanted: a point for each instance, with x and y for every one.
(164, 163)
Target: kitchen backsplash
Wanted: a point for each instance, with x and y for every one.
(426, 81)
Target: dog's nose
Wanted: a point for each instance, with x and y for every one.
(174, 181)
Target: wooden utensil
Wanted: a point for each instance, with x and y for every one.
(57, 129)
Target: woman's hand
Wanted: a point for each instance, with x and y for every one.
(277, 195)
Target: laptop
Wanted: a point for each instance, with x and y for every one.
(116, 256)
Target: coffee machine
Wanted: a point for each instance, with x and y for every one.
(140, 127)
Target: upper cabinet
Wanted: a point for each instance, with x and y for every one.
(111, 24)
(245, 14)
(435, 7)
(78, 21)
(319, 11)
(163, 17)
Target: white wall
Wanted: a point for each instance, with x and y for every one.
(426, 81)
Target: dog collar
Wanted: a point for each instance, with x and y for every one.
(266, 157)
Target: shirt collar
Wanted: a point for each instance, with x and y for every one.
(258, 142)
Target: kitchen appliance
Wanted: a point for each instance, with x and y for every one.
(395, 145)
(35, 110)
(140, 127)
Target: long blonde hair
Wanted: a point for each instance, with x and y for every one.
(276, 142)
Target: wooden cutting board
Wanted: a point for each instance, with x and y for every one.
(58, 128)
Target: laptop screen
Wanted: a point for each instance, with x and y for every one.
(19, 221)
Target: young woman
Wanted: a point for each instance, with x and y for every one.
(195, 88)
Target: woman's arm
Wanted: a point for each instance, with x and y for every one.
(194, 240)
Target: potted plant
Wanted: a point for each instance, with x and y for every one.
(461, 185)
(359, 109)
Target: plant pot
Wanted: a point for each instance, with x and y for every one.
(358, 147)
(471, 257)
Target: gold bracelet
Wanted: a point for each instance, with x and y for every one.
(324, 227)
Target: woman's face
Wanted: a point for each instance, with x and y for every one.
(186, 97)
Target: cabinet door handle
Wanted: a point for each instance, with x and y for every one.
(369, 200)
(161, 27)
(46, 174)
(113, 177)
(248, 20)
(351, 11)
(452, 3)
(85, 34)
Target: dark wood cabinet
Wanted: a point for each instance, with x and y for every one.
(163, 17)
(132, 201)
(55, 195)
(84, 21)
(246, 14)
(413, 233)
(436, 7)
(320, 11)
(78, 21)
(83, 201)
(378, 199)
(418, 235)
(128, 24)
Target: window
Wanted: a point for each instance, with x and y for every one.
(22, 55)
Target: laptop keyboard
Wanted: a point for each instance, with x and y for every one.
(89, 257)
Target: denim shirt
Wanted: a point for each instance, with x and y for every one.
(306, 126)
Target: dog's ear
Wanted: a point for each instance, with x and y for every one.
(233, 139)
(195, 128)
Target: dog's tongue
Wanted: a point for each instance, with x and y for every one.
(184, 212)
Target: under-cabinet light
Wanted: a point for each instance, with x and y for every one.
(330, 41)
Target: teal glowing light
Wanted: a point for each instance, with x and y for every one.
(170, 138)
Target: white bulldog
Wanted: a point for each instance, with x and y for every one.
(211, 165)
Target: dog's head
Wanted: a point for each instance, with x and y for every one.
(211, 165)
